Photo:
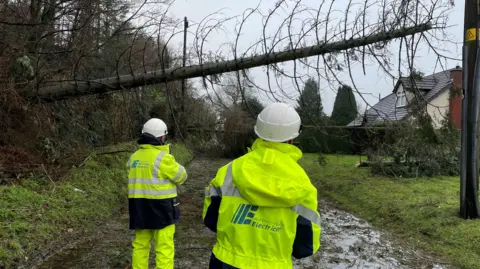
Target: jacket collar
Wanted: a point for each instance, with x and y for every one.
(148, 141)
(291, 150)
(165, 147)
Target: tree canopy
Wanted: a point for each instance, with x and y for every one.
(345, 106)
(309, 103)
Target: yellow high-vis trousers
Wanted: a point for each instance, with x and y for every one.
(164, 248)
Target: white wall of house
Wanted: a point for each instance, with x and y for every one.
(437, 109)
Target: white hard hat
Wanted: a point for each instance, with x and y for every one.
(278, 122)
(155, 127)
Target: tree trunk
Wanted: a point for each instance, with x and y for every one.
(74, 88)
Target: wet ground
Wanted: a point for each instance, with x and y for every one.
(347, 241)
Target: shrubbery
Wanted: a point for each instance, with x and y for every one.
(418, 150)
(327, 140)
(237, 133)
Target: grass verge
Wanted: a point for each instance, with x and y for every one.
(424, 211)
(34, 212)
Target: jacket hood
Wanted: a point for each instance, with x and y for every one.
(269, 175)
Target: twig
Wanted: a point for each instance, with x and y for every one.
(21, 209)
(84, 161)
(46, 173)
(423, 257)
(114, 152)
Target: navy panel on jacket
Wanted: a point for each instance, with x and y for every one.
(303, 244)
(211, 218)
(153, 213)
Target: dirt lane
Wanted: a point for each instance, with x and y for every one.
(347, 241)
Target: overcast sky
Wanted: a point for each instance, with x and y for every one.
(371, 85)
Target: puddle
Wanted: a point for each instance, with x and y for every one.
(349, 242)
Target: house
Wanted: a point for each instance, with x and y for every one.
(435, 90)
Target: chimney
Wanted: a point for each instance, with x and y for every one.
(456, 96)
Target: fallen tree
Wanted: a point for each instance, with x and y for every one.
(67, 89)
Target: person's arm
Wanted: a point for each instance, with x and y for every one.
(128, 162)
(307, 237)
(211, 206)
(213, 199)
(174, 171)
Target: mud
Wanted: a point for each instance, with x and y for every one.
(347, 241)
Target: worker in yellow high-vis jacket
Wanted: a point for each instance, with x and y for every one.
(152, 196)
(262, 205)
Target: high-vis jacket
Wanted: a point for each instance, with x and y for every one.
(152, 185)
(263, 208)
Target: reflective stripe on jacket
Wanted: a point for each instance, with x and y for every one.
(263, 208)
(152, 185)
(154, 173)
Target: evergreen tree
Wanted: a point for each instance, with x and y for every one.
(310, 108)
(345, 106)
(309, 103)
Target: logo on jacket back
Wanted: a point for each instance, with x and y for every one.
(245, 215)
(139, 164)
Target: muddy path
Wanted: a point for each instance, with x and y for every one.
(347, 241)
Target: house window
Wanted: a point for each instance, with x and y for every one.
(401, 98)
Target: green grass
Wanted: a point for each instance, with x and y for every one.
(423, 211)
(37, 211)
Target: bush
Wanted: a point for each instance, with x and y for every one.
(238, 133)
(326, 140)
(418, 150)
(311, 141)
(322, 160)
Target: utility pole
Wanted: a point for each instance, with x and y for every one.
(185, 26)
(183, 121)
(470, 83)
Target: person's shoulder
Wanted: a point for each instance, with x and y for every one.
(304, 177)
(136, 152)
(232, 164)
(237, 162)
(168, 157)
(295, 167)
(302, 171)
(225, 166)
